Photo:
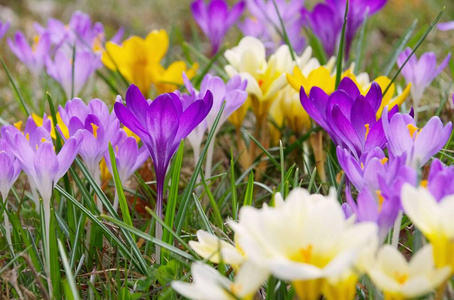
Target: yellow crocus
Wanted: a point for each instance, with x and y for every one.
(320, 77)
(138, 61)
(64, 130)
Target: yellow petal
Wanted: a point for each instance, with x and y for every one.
(157, 43)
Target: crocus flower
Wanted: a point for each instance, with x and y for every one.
(347, 116)
(128, 158)
(319, 247)
(208, 283)
(96, 124)
(34, 56)
(72, 75)
(216, 250)
(446, 26)
(434, 219)
(233, 93)
(9, 171)
(326, 21)
(265, 24)
(215, 19)
(138, 61)
(399, 279)
(419, 144)
(420, 73)
(439, 181)
(4, 26)
(43, 166)
(161, 125)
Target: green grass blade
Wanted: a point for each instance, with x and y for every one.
(233, 187)
(360, 46)
(214, 205)
(340, 53)
(403, 41)
(284, 32)
(74, 293)
(18, 94)
(249, 190)
(202, 214)
(119, 188)
(180, 219)
(272, 159)
(54, 263)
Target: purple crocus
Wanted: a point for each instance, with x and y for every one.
(96, 124)
(233, 93)
(128, 158)
(419, 145)
(347, 116)
(61, 69)
(420, 73)
(379, 182)
(440, 180)
(4, 27)
(265, 25)
(446, 26)
(34, 56)
(215, 19)
(326, 21)
(161, 125)
(43, 166)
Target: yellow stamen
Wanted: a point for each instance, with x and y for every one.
(367, 130)
(95, 129)
(362, 166)
(384, 161)
(424, 183)
(27, 136)
(35, 42)
(306, 254)
(401, 278)
(116, 148)
(381, 199)
(235, 288)
(18, 125)
(413, 129)
(43, 140)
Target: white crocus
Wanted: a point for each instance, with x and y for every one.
(216, 250)
(434, 219)
(207, 283)
(305, 240)
(399, 279)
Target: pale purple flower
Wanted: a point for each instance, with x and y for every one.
(233, 93)
(420, 73)
(326, 21)
(215, 19)
(440, 181)
(265, 25)
(418, 144)
(9, 169)
(4, 27)
(34, 56)
(43, 166)
(446, 26)
(61, 69)
(96, 124)
(161, 125)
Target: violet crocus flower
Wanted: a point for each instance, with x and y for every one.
(265, 25)
(97, 125)
(43, 166)
(418, 144)
(440, 181)
(161, 125)
(347, 116)
(420, 73)
(4, 27)
(446, 26)
(233, 93)
(379, 182)
(128, 158)
(61, 69)
(34, 56)
(215, 19)
(326, 21)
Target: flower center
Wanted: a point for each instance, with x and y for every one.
(235, 288)
(400, 278)
(413, 130)
(424, 183)
(95, 129)
(306, 254)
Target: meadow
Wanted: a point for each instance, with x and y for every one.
(213, 149)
